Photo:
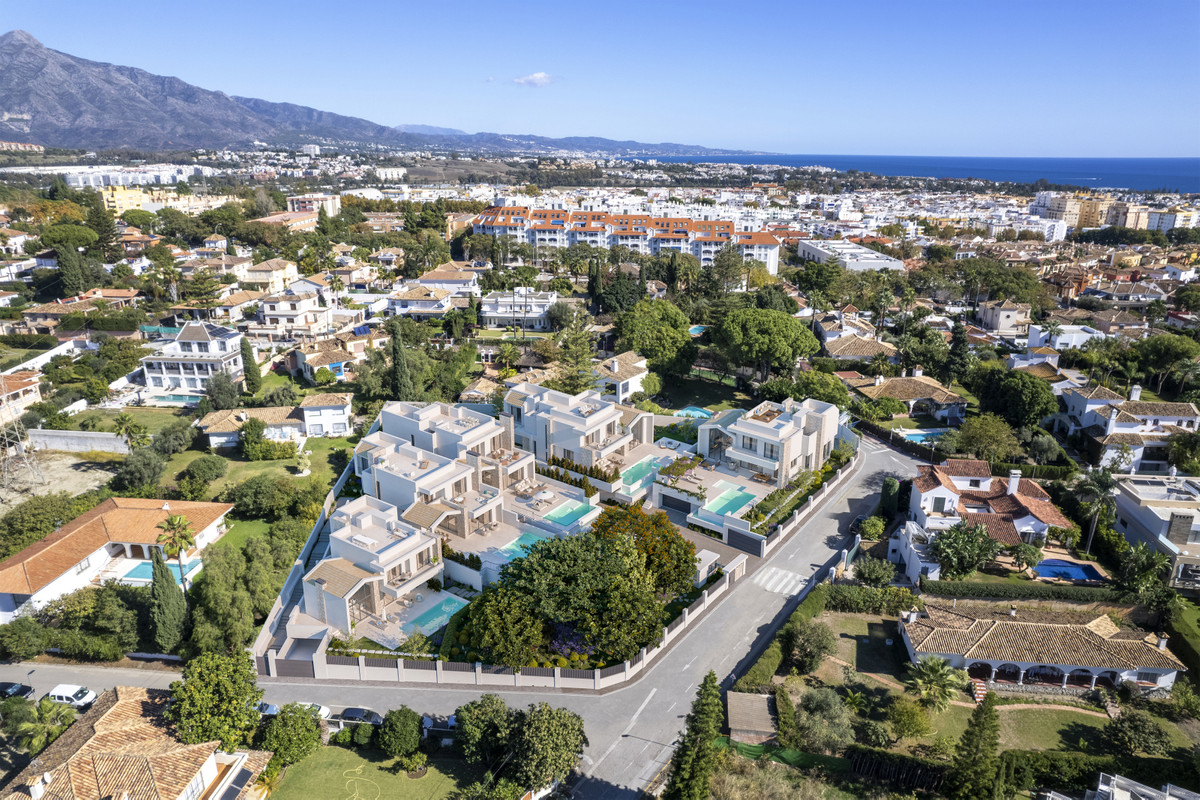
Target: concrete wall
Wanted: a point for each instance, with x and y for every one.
(78, 441)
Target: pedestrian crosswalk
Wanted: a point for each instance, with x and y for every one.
(780, 581)
(871, 446)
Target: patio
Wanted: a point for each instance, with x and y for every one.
(138, 571)
(425, 610)
(542, 504)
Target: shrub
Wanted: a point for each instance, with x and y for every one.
(822, 722)
(563, 476)
(400, 733)
(207, 468)
(142, 468)
(363, 734)
(887, 601)
(806, 644)
(344, 737)
(763, 670)
(86, 646)
(875, 572)
(292, 735)
(1135, 731)
(435, 584)
(872, 528)
(22, 639)
(908, 720)
(175, 438)
(785, 715)
(888, 498)
(1020, 591)
(413, 762)
(873, 734)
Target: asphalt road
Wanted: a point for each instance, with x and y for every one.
(630, 730)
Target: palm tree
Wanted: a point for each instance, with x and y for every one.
(336, 287)
(124, 425)
(934, 682)
(176, 539)
(46, 721)
(1051, 328)
(855, 701)
(1098, 485)
(1185, 370)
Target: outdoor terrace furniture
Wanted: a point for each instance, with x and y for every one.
(761, 478)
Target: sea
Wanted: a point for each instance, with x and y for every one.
(1139, 174)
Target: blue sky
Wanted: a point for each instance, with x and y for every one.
(1018, 78)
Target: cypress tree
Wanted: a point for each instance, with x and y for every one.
(973, 771)
(401, 378)
(168, 606)
(250, 367)
(694, 758)
(70, 271)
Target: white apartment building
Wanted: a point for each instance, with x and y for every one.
(311, 203)
(180, 371)
(852, 256)
(1164, 512)
(1164, 221)
(390, 173)
(774, 440)
(292, 316)
(520, 307)
(273, 275)
(1112, 425)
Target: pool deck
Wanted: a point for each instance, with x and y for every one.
(1056, 553)
(396, 614)
(118, 569)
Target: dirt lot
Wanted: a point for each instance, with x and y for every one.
(64, 472)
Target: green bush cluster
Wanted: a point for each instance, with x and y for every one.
(29, 341)
(607, 475)
(1020, 591)
(785, 717)
(563, 476)
(469, 560)
(888, 601)
(1045, 472)
(763, 670)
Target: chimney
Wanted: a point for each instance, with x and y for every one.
(1172, 471)
(1014, 480)
(615, 364)
(1012, 610)
(1135, 393)
(37, 789)
(1162, 641)
(879, 380)
(918, 371)
(1179, 529)
(166, 506)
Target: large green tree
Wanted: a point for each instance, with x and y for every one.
(168, 607)
(1157, 354)
(575, 371)
(250, 367)
(960, 359)
(222, 391)
(41, 724)
(934, 681)
(292, 735)
(694, 759)
(485, 730)
(658, 330)
(216, 700)
(764, 339)
(973, 771)
(669, 557)
(963, 549)
(547, 744)
(989, 437)
(401, 385)
(400, 733)
(1020, 398)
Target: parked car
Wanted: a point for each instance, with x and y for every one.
(75, 696)
(268, 709)
(8, 690)
(858, 521)
(319, 711)
(361, 715)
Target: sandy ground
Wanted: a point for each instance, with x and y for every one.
(63, 472)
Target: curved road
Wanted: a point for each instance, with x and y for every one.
(631, 730)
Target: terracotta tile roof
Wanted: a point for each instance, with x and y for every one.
(16, 381)
(231, 420)
(325, 400)
(967, 468)
(123, 747)
(858, 346)
(908, 389)
(481, 387)
(423, 293)
(1003, 638)
(272, 265)
(1045, 370)
(999, 527)
(1096, 392)
(627, 366)
(1144, 408)
(118, 519)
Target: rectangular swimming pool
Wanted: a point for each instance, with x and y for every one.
(568, 513)
(923, 437)
(516, 548)
(731, 499)
(144, 570)
(436, 617)
(1067, 570)
(633, 476)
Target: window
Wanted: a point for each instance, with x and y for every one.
(1147, 677)
(156, 382)
(185, 347)
(939, 505)
(82, 565)
(202, 347)
(974, 483)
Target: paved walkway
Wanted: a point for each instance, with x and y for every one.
(964, 704)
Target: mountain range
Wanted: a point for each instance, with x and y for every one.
(59, 100)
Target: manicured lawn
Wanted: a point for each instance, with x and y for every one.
(13, 356)
(1048, 729)
(338, 773)
(704, 393)
(242, 529)
(999, 575)
(322, 465)
(154, 419)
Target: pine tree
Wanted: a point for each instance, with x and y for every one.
(168, 607)
(100, 220)
(973, 771)
(958, 362)
(70, 271)
(575, 371)
(694, 758)
(402, 387)
(253, 376)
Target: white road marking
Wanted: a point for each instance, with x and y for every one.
(628, 728)
(780, 581)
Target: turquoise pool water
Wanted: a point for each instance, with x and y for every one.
(633, 476)
(178, 398)
(1068, 570)
(516, 548)
(696, 330)
(568, 513)
(144, 571)
(695, 412)
(435, 617)
(924, 436)
(731, 499)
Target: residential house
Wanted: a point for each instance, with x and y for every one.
(301, 221)
(223, 428)
(388, 257)
(13, 242)
(81, 552)
(656, 290)
(521, 307)
(223, 265)
(622, 375)
(452, 277)
(421, 303)
(1115, 428)
(919, 392)
(1013, 509)
(18, 391)
(327, 414)
(1118, 319)
(292, 316)
(1052, 649)
(1129, 295)
(45, 318)
(1163, 511)
(859, 348)
(317, 284)
(479, 390)
(339, 353)
(775, 441)
(180, 370)
(272, 276)
(1005, 317)
(1069, 336)
(846, 321)
(124, 748)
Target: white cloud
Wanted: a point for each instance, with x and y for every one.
(537, 79)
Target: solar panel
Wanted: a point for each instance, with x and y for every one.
(239, 782)
(362, 330)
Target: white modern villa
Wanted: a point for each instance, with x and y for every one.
(179, 372)
(772, 442)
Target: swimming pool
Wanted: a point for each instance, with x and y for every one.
(436, 617)
(517, 547)
(568, 513)
(696, 330)
(924, 436)
(695, 412)
(731, 499)
(633, 476)
(1067, 570)
(144, 570)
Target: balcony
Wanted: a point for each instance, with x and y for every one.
(405, 582)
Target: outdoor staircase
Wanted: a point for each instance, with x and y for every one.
(978, 690)
(319, 548)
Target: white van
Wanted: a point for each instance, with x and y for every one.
(72, 695)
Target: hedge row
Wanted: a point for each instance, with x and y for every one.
(562, 476)
(29, 341)
(763, 670)
(450, 635)
(896, 769)
(888, 601)
(1045, 472)
(1021, 591)
(1077, 772)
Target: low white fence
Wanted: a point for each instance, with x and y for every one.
(78, 441)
